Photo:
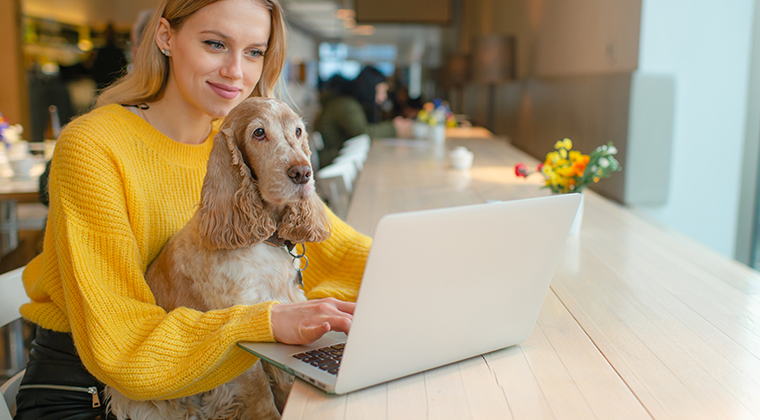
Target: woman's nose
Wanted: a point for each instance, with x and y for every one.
(232, 68)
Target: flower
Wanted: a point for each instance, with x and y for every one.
(437, 112)
(9, 134)
(521, 170)
(566, 170)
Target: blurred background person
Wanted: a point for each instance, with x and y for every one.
(110, 61)
(138, 28)
(352, 108)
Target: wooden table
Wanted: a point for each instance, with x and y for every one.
(639, 322)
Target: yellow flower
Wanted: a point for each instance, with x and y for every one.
(551, 158)
(564, 144)
(596, 179)
(566, 171)
(575, 155)
(563, 153)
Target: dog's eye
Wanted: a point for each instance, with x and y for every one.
(298, 133)
(259, 133)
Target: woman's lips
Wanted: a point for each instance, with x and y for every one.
(226, 92)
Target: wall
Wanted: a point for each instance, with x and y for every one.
(706, 46)
(13, 97)
(302, 95)
(575, 64)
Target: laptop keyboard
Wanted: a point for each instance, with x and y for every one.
(325, 358)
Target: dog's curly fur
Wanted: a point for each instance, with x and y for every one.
(219, 259)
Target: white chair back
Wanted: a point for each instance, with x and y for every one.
(315, 141)
(361, 138)
(315, 145)
(12, 296)
(335, 183)
(9, 390)
(357, 159)
(359, 148)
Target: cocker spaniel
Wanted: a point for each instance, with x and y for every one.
(257, 200)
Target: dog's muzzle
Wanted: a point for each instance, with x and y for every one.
(300, 174)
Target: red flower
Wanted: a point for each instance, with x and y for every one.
(521, 170)
(540, 166)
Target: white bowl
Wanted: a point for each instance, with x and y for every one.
(22, 167)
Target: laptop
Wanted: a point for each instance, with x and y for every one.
(439, 286)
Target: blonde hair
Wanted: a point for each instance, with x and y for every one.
(150, 72)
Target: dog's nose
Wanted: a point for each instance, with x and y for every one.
(300, 174)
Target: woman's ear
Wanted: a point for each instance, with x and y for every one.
(231, 214)
(164, 35)
(306, 221)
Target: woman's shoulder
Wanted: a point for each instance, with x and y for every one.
(106, 124)
(101, 117)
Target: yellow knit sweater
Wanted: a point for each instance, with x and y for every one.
(119, 189)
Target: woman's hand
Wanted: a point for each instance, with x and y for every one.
(403, 127)
(306, 322)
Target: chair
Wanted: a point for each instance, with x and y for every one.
(358, 148)
(355, 158)
(12, 296)
(315, 145)
(10, 389)
(335, 184)
(361, 138)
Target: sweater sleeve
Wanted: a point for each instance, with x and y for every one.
(122, 337)
(382, 130)
(336, 265)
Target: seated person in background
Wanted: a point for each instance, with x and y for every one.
(352, 108)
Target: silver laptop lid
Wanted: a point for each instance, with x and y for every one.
(444, 285)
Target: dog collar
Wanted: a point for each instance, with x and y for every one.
(278, 242)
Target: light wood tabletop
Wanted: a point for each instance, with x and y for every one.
(639, 321)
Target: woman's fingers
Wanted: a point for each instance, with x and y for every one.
(306, 322)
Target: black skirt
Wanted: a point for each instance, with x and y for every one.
(56, 385)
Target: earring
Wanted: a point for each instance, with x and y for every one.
(166, 53)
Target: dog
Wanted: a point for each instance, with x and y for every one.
(258, 193)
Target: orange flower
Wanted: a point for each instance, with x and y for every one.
(580, 165)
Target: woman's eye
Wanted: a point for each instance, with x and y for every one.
(256, 53)
(298, 133)
(259, 133)
(215, 45)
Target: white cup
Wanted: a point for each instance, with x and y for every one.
(461, 158)
(437, 133)
(420, 130)
(22, 167)
(19, 150)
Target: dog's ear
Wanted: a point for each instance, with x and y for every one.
(231, 212)
(306, 221)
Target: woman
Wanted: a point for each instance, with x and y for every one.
(124, 179)
(352, 108)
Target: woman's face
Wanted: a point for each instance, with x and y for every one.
(381, 93)
(218, 55)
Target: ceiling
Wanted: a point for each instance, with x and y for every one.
(319, 18)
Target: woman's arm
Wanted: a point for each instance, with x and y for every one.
(336, 265)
